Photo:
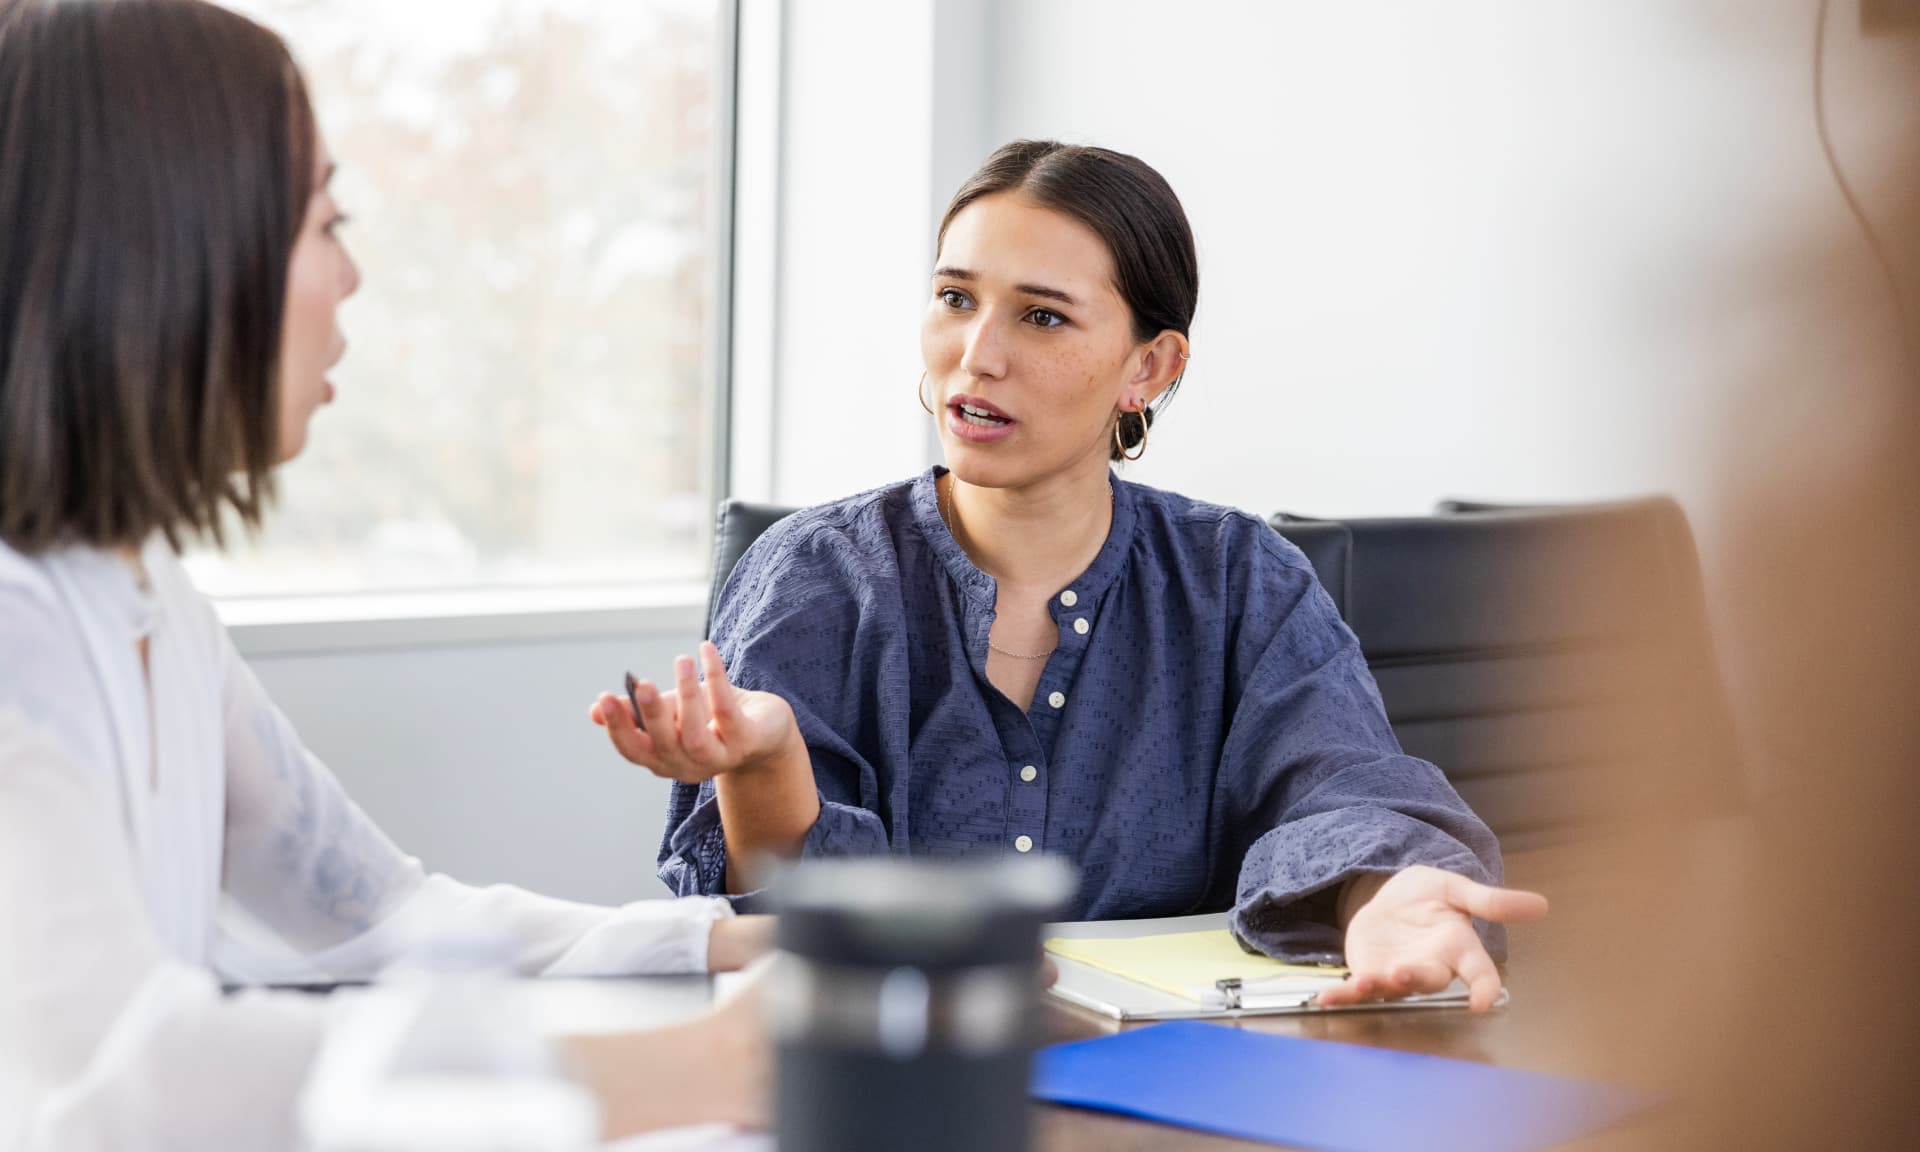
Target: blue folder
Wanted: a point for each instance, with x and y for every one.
(1323, 1095)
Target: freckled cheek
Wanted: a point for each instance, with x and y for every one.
(1096, 399)
(1068, 376)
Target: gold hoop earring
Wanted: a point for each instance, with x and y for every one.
(1120, 445)
(920, 394)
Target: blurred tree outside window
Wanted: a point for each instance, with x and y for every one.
(528, 395)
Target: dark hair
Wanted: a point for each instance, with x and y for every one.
(1130, 207)
(156, 160)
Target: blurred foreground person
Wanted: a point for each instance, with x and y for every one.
(1755, 968)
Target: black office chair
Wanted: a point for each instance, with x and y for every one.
(1328, 545)
(1535, 654)
(738, 525)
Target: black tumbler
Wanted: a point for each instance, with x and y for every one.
(903, 1001)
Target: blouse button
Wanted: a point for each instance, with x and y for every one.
(1023, 843)
(1081, 625)
(1058, 700)
(1069, 598)
(1028, 773)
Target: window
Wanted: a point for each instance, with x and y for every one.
(536, 202)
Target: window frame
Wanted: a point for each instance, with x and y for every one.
(402, 618)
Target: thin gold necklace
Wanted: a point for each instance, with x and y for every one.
(946, 513)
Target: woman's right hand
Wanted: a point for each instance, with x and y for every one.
(698, 731)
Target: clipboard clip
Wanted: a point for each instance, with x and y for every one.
(1233, 995)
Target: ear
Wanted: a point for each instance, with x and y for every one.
(1163, 360)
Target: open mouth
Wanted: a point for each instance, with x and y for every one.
(980, 417)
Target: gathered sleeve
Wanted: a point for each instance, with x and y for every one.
(303, 860)
(789, 621)
(1318, 791)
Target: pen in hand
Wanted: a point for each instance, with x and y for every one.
(635, 705)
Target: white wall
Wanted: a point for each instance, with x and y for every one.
(1447, 249)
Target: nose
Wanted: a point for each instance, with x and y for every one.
(985, 354)
(350, 274)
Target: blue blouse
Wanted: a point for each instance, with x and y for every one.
(1205, 736)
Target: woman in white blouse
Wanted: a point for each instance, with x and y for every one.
(169, 276)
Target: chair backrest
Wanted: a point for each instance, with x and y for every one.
(1328, 545)
(738, 525)
(1536, 654)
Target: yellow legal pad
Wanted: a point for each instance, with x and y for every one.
(1181, 963)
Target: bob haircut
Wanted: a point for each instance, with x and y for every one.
(1130, 207)
(156, 161)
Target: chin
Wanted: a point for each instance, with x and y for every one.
(984, 470)
(293, 440)
(295, 428)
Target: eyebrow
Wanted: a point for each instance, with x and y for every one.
(1040, 290)
(326, 177)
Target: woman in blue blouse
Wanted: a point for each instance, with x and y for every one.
(1022, 652)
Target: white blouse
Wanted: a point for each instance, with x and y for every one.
(138, 824)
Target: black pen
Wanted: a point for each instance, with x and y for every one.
(635, 704)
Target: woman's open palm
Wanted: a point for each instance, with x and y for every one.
(697, 730)
(1416, 935)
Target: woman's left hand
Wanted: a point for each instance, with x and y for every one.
(1416, 935)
